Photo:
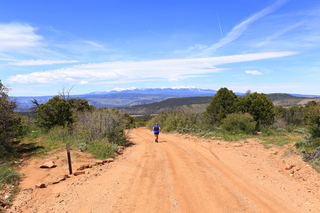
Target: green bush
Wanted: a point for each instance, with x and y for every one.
(56, 112)
(310, 150)
(98, 131)
(99, 124)
(9, 121)
(300, 130)
(101, 149)
(60, 133)
(141, 121)
(239, 123)
(8, 175)
(182, 120)
(82, 146)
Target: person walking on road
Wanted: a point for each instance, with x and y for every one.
(156, 130)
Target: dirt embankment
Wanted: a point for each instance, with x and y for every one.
(179, 174)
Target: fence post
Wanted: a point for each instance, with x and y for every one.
(69, 158)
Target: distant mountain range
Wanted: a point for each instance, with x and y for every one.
(131, 97)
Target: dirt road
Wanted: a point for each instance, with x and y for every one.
(183, 174)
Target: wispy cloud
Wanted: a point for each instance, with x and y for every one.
(95, 44)
(41, 62)
(253, 72)
(196, 47)
(17, 35)
(171, 69)
(238, 30)
(279, 33)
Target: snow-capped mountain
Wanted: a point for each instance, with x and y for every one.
(184, 91)
(119, 97)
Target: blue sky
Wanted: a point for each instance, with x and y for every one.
(263, 46)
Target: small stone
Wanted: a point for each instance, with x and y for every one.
(99, 162)
(62, 177)
(109, 160)
(41, 185)
(91, 165)
(81, 168)
(79, 173)
(288, 167)
(49, 164)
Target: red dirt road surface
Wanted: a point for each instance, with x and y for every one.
(179, 174)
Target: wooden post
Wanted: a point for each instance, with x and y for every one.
(69, 158)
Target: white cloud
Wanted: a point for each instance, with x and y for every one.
(41, 62)
(237, 31)
(83, 82)
(253, 72)
(128, 71)
(17, 35)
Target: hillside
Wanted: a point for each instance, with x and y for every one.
(146, 101)
(197, 103)
(200, 103)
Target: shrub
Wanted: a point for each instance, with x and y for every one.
(99, 124)
(182, 120)
(9, 121)
(98, 131)
(56, 112)
(300, 130)
(259, 106)
(312, 118)
(8, 175)
(239, 123)
(101, 149)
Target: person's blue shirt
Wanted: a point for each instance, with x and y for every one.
(156, 129)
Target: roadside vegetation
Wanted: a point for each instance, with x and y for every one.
(51, 125)
(232, 118)
(11, 126)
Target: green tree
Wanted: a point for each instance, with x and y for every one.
(56, 112)
(79, 104)
(9, 121)
(259, 106)
(290, 116)
(223, 103)
(312, 118)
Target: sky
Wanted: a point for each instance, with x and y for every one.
(82, 46)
